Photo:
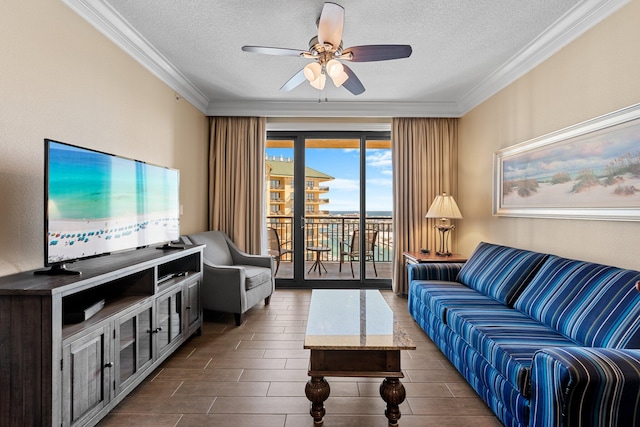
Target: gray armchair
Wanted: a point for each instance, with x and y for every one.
(234, 281)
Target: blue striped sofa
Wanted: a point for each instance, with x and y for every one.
(544, 340)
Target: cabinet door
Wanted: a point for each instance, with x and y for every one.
(86, 375)
(169, 320)
(133, 348)
(193, 309)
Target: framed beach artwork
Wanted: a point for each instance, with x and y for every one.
(587, 171)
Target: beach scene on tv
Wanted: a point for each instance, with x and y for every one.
(99, 203)
(598, 171)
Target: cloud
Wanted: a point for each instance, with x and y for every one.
(379, 159)
(379, 182)
(344, 184)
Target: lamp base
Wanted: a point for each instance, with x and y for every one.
(444, 244)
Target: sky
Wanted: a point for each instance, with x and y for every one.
(343, 165)
(592, 152)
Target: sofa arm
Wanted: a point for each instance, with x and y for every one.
(584, 386)
(446, 271)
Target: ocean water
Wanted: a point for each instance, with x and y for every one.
(368, 213)
(87, 185)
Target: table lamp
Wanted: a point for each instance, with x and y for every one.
(444, 208)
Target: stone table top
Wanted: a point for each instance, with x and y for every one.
(353, 319)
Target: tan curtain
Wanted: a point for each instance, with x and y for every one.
(236, 179)
(425, 158)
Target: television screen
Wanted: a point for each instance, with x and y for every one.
(97, 203)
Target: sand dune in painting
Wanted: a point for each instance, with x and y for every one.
(596, 194)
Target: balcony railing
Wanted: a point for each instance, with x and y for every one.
(330, 230)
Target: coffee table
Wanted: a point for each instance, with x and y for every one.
(353, 333)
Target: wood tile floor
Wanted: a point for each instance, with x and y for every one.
(254, 375)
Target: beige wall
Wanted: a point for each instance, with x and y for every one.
(596, 74)
(61, 79)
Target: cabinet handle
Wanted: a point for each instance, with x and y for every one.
(188, 307)
(109, 365)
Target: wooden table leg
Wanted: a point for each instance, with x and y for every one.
(317, 391)
(393, 393)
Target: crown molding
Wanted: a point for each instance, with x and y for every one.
(106, 20)
(322, 125)
(570, 26)
(333, 109)
(579, 19)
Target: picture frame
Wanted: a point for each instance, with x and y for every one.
(590, 170)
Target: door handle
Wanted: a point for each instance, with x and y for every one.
(303, 222)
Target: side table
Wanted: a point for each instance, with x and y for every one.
(419, 258)
(318, 262)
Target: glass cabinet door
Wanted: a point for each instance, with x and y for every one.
(133, 337)
(86, 375)
(169, 320)
(194, 309)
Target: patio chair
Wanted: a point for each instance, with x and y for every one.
(276, 249)
(352, 250)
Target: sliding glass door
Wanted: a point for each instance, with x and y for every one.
(329, 208)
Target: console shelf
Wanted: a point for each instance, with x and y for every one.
(75, 346)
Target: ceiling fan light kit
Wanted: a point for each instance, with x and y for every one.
(319, 82)
(312, 71)
(325, 50)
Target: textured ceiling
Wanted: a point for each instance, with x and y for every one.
(460, 48)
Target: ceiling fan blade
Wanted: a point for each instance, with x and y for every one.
(280, 51)
(294, 81)
(353, 83)
(377, 52)
(330, 24)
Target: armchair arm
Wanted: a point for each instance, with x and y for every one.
(343, 244)
(584, 386)
(223, 288)
(446, 271)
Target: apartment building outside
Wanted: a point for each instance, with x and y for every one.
(280, 186)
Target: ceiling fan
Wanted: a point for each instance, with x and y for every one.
(326, 51)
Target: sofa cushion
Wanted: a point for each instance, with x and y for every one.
(495, 390)
(593, 304)
(438, 296)
(506, 339)
(500, 272)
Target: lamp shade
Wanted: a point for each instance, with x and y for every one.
(312, 71)
(340, 79)
(334, 68)
(444, 207)
(319, 82)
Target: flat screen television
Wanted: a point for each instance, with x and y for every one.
(98, 203)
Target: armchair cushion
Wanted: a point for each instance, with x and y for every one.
(255, 276)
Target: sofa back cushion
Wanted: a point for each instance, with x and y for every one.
(500, 272)
(593, 304)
